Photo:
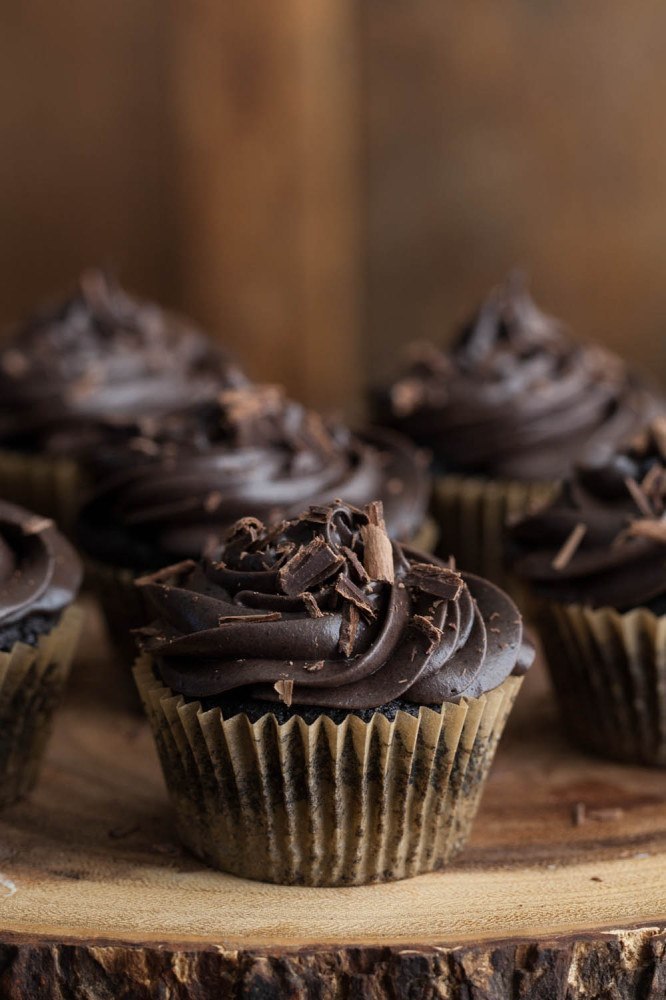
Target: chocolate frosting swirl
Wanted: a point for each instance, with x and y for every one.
(602, 541)
(516, 396)
(39, 571)
(324, 610)
(252, 451)
(73, 376)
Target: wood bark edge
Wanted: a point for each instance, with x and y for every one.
(560, 968)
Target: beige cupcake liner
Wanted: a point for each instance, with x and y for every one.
(472, 514)
(425, 539)
(44, 484)
(324, 804)
(32, 680)
(123, 610)
(609, 672)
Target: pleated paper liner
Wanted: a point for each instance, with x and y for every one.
(123, 610)
(32, 680)
(324, 804)
(47, 485)
(425, 539)
(472, 514)
(609, 673)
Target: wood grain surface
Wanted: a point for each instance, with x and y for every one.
(567, 861)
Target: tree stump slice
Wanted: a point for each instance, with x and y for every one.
(561, 892)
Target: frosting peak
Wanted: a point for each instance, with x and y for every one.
(515, 395)
(72, 374)
(325, 610)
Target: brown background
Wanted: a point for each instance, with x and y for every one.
(320, 180)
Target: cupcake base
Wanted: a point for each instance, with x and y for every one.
(609, 673)
(32, 680)
(324, 804)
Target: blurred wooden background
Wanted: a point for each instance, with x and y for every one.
(320, 180)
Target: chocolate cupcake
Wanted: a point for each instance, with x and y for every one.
(73, 377)
(39, 578)
(595, 559)
(507, 411)
(326, 703)
(252, 451)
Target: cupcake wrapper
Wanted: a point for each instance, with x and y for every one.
(324, 804)
(123, 609)
(44, 484)
(609, 672)
(425, 539)
(32, 680)
(472, 514)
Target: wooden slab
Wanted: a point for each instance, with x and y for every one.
(98, 895)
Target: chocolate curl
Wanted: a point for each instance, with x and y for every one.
(166, 575)
(310, 566)
(378, 551)
(285, 691)
(570, 547)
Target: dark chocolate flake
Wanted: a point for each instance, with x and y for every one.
(350, 592)
(435, 580)
(348, 629)
(310, 566)
(285, 691)
(426, 625)
(311, 606)
(264, 616)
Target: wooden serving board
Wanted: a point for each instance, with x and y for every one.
(562, 887)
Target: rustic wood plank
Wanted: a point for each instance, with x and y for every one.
(267, 129)
(105, 899)
(522, 134)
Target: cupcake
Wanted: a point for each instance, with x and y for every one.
(253, 452)
(507, 411)
(72, 377)
(326, 703)
(40, 576)
(595, 560)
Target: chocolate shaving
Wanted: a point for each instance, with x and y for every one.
(355, 563)
(285, 691)
(406, 396)
(654, 487)
(35, 525)
(433, 634)
(658, 429)
(311, 605)
(611, 814)
(648, 528)
(570, 547)
(348, 629)
(350, 592)
(146, 446)
(14, 363)
(640, 499)
(162, 575)
(311, 565)
(212, 502)
(435, 580)
(265, 616)
(377, 548)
